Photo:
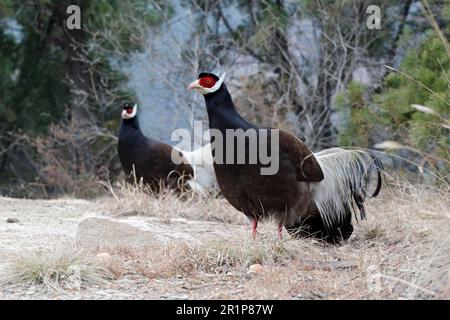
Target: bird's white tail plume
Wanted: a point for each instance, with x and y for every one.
(347, 175)
(201, 160)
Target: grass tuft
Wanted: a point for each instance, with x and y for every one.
(62, 268)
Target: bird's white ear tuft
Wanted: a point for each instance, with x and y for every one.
(222, 77)
(219, 83)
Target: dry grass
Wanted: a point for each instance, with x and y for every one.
(402, 251)
(215, 257)
(137, 199)
(61, 268)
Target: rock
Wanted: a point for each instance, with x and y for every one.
(104, 258)
(12, 220)
(256, 268)
(105, 232)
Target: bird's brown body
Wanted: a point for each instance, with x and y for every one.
(150, 160)
(285, 195)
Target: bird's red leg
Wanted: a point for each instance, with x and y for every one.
(254, 226)
(280, 231)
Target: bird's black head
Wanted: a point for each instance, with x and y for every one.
(207, 83)
(129, 111)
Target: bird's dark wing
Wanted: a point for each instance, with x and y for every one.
(307, 167)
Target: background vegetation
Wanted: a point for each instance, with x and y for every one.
(309, 66)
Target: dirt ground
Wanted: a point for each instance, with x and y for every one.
(401, 252)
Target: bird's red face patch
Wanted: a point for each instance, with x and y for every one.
(128, 109)
(207, 82)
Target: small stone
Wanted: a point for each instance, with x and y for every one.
(12, 220)
(256, 268)
(104, 258)
(246, 277)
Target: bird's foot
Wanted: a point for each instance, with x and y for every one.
(254, 226)
(280, 231)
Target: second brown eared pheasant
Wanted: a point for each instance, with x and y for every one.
(150, 160)
(311, 194)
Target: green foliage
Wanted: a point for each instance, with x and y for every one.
(32, 75)
(122, 20)
(354, 106)
(430, 68)
(34, 89)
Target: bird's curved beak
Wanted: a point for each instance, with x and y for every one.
(194, 85)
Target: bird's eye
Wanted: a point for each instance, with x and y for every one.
(207, 82)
